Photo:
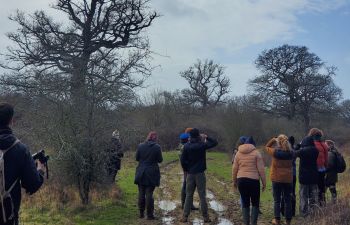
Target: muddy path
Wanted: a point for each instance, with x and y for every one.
(223, 208)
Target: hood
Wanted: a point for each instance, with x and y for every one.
(150, 143)
(246, 148)
(6, 138)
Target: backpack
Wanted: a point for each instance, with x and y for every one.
(6, 202)
(340, 162)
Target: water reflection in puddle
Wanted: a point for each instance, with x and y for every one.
(197, 221)
(167, 206)
(210, 195)
(217, 206)
(168, 220)
(223, 221)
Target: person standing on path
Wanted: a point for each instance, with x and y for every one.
(281, 175)
(332, 174)
(308, 175)
(147, 176)
(247, 171)
(322, 161)
(193, 160)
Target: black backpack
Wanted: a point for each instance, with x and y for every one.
(340, 162)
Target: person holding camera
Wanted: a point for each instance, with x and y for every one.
(17, 169)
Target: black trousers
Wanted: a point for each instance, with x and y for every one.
(249, 190)
(146, 200)
(321, 188)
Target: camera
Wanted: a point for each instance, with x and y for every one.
(43, 159)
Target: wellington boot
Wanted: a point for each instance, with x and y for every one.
(276, 222)
(246, 216)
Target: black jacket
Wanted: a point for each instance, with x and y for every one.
(20, 165)
(308, 172)
(193, 158)
(148, 155)
(332, 175)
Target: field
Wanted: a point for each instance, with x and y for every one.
(119, 206)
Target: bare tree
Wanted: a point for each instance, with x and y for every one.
(208, 84)
(293, 82)
(345, 110)
(84, 66)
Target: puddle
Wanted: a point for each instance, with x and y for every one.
(217, 206)
(167, 206)
(168, 220)
(223, 221)
(197, 221)
(210, 195)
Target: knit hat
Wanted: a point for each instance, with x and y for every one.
(194, 133)
(184, 136)
(243, 139)
(250, 140)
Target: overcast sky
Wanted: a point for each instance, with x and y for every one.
(231, 32)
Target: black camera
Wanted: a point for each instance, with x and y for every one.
(43, 159)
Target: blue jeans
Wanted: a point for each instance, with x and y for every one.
(282, 192)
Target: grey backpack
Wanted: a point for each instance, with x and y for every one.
(6, 202)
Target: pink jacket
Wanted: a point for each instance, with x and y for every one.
(248, 163)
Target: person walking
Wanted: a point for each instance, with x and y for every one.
(193, 161)
(248, 168)
(322, 161)
(147, 175)
(281, 175)
(308, 175)
(331, 178)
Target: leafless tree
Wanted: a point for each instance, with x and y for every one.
(92, 62)
(345, 110)
(293, 82)
(208, 84)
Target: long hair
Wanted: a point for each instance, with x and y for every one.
(283, 143)
(152, 136)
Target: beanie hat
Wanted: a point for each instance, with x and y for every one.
(194, 133)
(250, 140)
(184, 136)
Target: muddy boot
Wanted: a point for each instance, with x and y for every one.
(142, 214)
(288, 222)
(184, 219)
(246, 216)
(206, 219)
(276, 221)
(254, 216)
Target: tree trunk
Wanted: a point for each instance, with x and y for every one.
(306, 120)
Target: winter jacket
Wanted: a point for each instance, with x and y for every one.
(332, 175)
(18, 165)
(148, 155)
(281, 170)
(248, 163)
(308, 172)
(322, 158)
(193, 158)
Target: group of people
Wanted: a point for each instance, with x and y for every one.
(192, 148)
(318, 171)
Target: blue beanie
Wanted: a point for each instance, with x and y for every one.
(184, 136)
(250, 140)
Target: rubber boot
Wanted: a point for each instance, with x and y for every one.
(246, 216)
(254, 215)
